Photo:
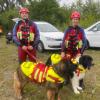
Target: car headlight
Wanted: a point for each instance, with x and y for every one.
(50, 39)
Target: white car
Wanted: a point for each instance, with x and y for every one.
(93, 35)
(50, 37)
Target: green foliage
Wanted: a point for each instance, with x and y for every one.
(46, 10)
(6, 19)
(50, 11)
(88, 20)
(90, 12)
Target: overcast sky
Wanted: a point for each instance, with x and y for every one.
(69, 2)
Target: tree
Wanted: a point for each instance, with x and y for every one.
(90, 11)
(6, 4)
(6, 19)
(47, 10)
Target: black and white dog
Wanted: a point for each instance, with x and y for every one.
(78, 70)
(75, 71)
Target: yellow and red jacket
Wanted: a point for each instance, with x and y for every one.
(74, 41)
(25, 31)
(40, 73)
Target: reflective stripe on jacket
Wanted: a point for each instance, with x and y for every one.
(74, 41)
(32, 34)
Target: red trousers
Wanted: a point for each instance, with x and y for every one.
(22, 55)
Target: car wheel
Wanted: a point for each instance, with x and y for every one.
(40, 47)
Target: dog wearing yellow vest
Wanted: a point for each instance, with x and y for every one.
(75, 70)
(52, 75)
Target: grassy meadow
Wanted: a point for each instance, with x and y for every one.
(9, 63)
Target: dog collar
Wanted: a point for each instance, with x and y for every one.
(80, 69)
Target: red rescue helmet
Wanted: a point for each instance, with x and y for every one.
(75, 14)
(24, 10)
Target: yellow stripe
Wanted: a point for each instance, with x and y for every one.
(44, 74)
(36, 73)
(31, 36)
(40, 77)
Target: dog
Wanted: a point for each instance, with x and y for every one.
(66, 70)
(53, 76)
(77, 71)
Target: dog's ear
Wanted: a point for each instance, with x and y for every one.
(48, 62)
(86, 61)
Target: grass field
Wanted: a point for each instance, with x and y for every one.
(9, 63)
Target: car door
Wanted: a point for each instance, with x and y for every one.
(94, 36)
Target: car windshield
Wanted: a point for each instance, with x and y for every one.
(46, 28)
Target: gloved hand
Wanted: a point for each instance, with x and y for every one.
(65, 56)
(30, 48)
(62, 54)
(68, 56)
(24, 48)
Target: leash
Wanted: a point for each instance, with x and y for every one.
(37, 59)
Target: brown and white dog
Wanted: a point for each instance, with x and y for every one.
(52, 83)
(65, 71)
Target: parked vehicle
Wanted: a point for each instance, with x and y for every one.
(50, 37)
(93, 35)
(9, 37)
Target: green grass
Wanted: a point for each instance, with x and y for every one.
(9, 63)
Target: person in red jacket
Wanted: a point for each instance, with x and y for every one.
(26, 36)
(74, 41)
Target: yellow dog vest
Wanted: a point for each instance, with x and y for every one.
(40, 73)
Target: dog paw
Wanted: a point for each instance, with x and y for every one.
(79, 88)
(76, 92)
